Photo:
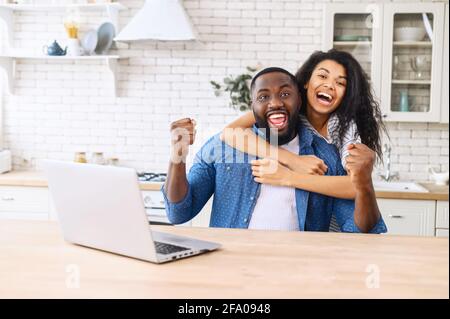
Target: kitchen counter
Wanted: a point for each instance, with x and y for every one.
(250, 264)
(38, 179)
(436, 192)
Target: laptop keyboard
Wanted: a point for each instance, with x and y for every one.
(165, 249)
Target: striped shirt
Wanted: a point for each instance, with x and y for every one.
(351, 135)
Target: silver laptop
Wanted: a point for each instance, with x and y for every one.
(102, 207)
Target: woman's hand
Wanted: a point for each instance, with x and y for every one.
(304, 164)
(270, 171)
(360, 162)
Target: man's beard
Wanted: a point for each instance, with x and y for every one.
(271, 134)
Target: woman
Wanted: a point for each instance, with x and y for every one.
(339, 108)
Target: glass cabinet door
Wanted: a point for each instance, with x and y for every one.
(412, 62)
(356, 28)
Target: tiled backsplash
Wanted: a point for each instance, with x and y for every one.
(60, 108)
(415, 146)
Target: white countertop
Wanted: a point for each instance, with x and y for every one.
(38, 179)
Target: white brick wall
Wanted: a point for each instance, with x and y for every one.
(63, 107)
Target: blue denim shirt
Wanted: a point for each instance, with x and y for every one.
(225, 172)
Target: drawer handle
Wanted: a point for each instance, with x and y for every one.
(149, 200)
(395, 216)
(7, 199)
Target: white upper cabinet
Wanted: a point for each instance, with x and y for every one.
(401, 48)
(412, 61)
(357, 29)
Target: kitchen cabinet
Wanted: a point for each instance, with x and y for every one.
(26, 196)
(154, 206)
(405, 71)
(442, 233)
(442, 219)
(35, 203)
(156, 212)
(31, 203)
(412, 69)
(10, 54)
(355, 28)
(408, 217)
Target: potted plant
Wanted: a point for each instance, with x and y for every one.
(238, 88)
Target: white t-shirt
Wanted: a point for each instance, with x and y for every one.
(276, 208)
(350, 136)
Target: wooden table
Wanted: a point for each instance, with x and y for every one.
(36, 263)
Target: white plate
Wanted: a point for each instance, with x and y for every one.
(89, 42)
(106, 33)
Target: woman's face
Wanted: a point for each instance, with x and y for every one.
(326, 87)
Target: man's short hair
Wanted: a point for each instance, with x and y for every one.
(272, 70)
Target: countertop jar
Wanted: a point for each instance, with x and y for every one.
(113, 161)
(98, 158)
(80, 157)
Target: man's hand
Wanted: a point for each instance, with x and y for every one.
(360, 165)
(182, 135)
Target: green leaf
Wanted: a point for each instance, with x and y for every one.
(237, 87)
(215, 85)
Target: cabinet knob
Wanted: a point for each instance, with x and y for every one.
(395, 216)
(384, 116)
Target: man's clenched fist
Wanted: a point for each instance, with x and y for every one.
(182, 135)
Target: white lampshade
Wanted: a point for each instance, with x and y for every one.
(159, 20)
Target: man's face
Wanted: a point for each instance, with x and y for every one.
(276, 105)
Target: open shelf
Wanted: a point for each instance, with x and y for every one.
(7, 12)
(413, 82)
(63, 57)
(8, 60)
(351, 43)
(425, 44)
(8, 63)
(58, 7)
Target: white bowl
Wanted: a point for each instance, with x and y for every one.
(409, 34)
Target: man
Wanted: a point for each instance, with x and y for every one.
(239, 201)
